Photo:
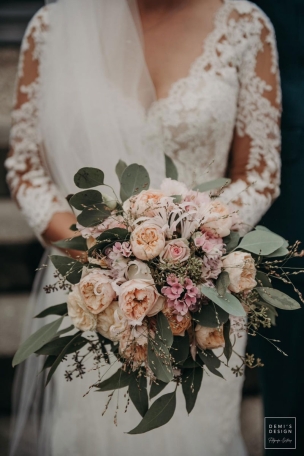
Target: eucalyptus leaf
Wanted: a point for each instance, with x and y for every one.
(191, 384)
(190, 363)
(61, 355)
(164, 329)
(94, 215)
(86, 198)
(171, 170)
(55, 347)
(159, 360)
(222, 283)
(120, 379)
(180, 348)
(157, 388)
(134, 180)
(211, 315)
(119, 169)
(263, 279)
(177, 199)
(212, 185)
(277, 299)
(261, 242)
(89, 177)
(228, 345)
(67, 267)
(160, 412)
(229, 302)
(36, 341)
(117, 234)
(211, 361)
(231, 241)
(64, 331)
(281, 252)
(138, 394)
(59, 309)
(73, 227)
(75, 243)
(48, 362)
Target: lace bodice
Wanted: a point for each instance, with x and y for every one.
(220, 120)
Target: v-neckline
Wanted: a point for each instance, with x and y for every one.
(208, 41)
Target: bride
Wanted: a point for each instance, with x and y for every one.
(103, 80)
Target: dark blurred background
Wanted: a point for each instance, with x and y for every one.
(20, 252)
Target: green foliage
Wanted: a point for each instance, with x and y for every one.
(88, 178)
(277, 299)
(120, 167)
(94, 215)
(160, 412)
(222, 283)
(120, 379)
(85, 198)
(67, 267)
(191, 384)
(55, 347)
(164, 330)
(134, 179)
(159, 359)
(75, 243)
(231, 241)
(211, 361)
(261, 242)
(59, 309)
(138, 393)
(212, 185)
(211, 315)
(171, 170)
(228, 345)
(229, 302)
(263, 279)
(36, 341)
(157, 388)
(180, 348)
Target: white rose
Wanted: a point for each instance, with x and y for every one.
(97, 291)
(81, 318)
(241, 269)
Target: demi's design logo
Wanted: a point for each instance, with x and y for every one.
(279, 433)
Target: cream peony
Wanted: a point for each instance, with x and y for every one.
(209, 338)
(147, 241)
(175, 251)
(97, 291)
(217, 219)
(241, 269)
(81, 318)
(106, 319)
(171, 187)
(146, 203)
(138, 298)
(118, 327)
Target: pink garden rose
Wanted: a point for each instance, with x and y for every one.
(210, 244)
(241, 269)
(139, 298)
(217, 220)
(81, 318)
(147, 241)
(175, 251)
(209, 338)
(96, 291)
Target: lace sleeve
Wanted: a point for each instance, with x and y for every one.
(30, 185)
(254, 165)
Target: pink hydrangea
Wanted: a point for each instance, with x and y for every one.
(123, 248)
(181, 296)
(211, 245)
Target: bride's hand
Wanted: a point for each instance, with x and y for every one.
(59, 229)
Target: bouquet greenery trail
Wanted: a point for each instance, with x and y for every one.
(163, 289)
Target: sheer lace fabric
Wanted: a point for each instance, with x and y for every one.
(221, 119)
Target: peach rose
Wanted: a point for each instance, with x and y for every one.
(81, 318)
(178, 324)
(209, 338)
(97, 291)
(218, 219)
(147, 241)
(241, 269)
(175, 251)
(106, 319)
(138, 298)
(118, 327)
(133, 345)
(146, 203)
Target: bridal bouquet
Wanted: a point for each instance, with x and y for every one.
(165, 280)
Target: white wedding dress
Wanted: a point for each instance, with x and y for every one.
(222, 119)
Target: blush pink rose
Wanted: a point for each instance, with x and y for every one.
(147, 241)
(241, 269)
(139, 298)
(217, 220)
(209, 338)
(96, 291)
(81, 318)
(175, 251)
